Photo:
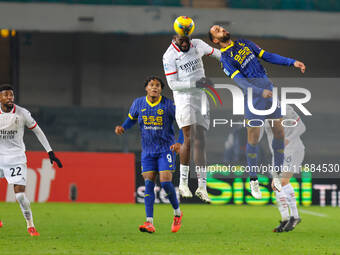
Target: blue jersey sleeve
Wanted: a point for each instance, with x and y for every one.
(134, 111)
(269, 57)
(128, 123)
(230, 70)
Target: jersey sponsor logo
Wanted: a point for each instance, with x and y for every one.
(242, 55)
(152, 120)
(192, 65)
(251, 57)
(8, 134)
(153, 128)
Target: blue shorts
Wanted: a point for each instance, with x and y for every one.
(260, 103)
(157, 162)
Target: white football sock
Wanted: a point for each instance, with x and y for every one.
(149, 219)
(177, 212)
(184, 171)
(282, 205)
(202, 178)
(25, 208)
(290, 193)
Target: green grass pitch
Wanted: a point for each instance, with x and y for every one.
(206, 229)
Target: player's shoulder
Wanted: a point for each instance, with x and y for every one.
(196, 41)
(21, 110)
(170, 53)
(138, 101)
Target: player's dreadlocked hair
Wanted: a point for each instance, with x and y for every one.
(151, 78)
(6, 87)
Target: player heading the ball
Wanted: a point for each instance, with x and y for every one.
(184, 71)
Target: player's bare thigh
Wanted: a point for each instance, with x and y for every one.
(151, 176)
(253, 134)
(19, 188)
(165, 176)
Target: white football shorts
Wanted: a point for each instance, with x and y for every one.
(14, 174)
(188, 115)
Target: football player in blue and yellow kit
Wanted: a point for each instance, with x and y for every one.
(155, 115)
(239, 60)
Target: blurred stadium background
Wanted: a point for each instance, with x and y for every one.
(77, 65)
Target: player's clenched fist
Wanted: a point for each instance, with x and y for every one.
(300, 65)
(267, 93)
(175, 147)
(119, 130)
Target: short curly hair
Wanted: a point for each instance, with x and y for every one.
(6, 87)
(151, 78)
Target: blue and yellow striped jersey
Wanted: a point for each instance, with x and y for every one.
(240, 60)
(155, 122)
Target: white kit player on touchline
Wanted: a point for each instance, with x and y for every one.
(13, 120)
(184, 71)
(294, 153)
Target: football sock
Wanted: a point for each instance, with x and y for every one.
(282, 204)
(177, 212)
(252, 160)
(278, 148)
(184, 171)
(170, 190)
(25, 208)
(149, 199)
(290, 193)
(202, 178)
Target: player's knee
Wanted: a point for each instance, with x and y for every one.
(20, 197)
(199, 142)
(253, 136)
(187, 140)
(165, 176)
(149, 176)
(278, 132)
(253, 139)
